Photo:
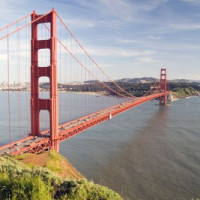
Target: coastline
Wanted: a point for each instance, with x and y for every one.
(184, 97)
(101, 93)
(175, 96)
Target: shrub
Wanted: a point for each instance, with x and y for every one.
(23, 188)
(19, 181)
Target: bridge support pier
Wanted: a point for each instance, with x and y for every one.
(50, 104)
(163, 86)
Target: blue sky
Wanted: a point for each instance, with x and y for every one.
(128, 38)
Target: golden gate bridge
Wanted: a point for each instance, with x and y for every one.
(43, 51)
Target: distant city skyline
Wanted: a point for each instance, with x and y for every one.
(128, 38)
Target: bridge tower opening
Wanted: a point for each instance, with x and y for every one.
(163, 85)
(38, 104)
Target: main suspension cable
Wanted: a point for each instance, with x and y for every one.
(78, 61)
(21, 27)
(15, 22)
(129, 94)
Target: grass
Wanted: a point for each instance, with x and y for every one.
(184, 92)
(52, 161)
(55, 162)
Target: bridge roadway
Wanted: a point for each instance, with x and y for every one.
(33, 144)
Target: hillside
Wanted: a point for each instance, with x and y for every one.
(182, 90)
(137, 80)
(52, 161)
(137, 87)
(47, 176)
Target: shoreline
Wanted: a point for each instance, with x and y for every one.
(188, 97)
(97, 94)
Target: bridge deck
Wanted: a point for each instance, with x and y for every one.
(37, 144)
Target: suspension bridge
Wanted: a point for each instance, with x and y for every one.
(47, 78)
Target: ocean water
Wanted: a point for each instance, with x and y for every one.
(149, 152)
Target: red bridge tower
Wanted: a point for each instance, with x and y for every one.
(163, 85)
(50, 104)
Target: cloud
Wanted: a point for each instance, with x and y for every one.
(152, 37)
(196, 2)
(9, 13)
(128, 41)
(79, 23)
(124, 10)
(185, 27)
(106, 65)
(118, 8)
(118, 52)
(148, 60)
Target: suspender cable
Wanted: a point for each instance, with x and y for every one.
(8, 85)
(66, 86)
(18, 80)
(81, 64)
(60, 106)
(77, 60)
(92, 58)
(26, 72)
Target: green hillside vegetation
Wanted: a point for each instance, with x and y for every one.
(182, 90)
(31, 182)
(179, 89)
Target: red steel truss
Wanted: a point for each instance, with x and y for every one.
(75, 127)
